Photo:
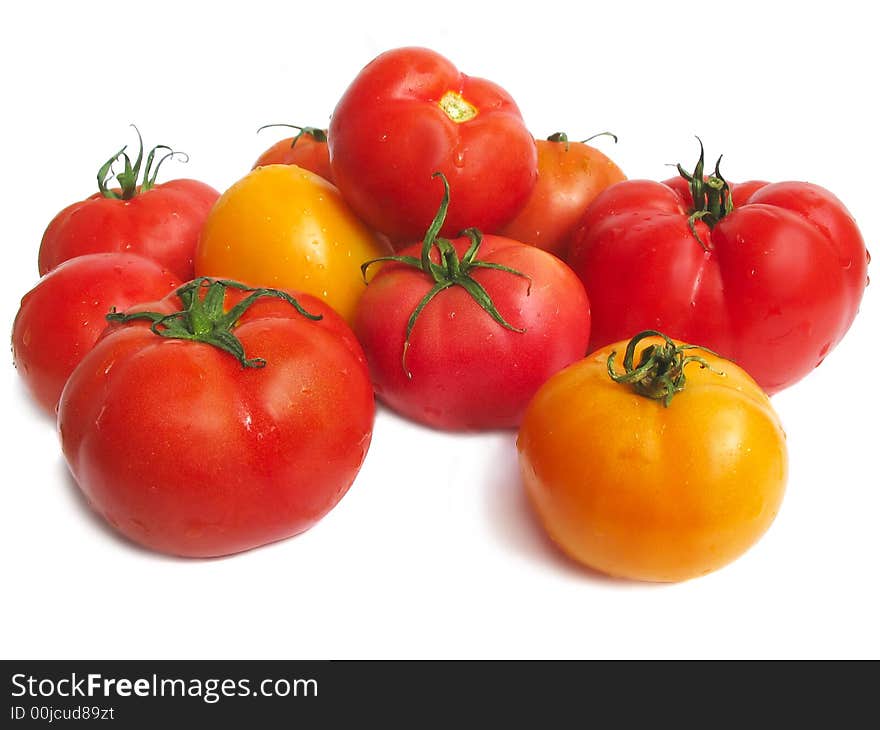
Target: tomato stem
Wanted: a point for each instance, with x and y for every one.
(203, 318)
(710, 196)
(317, 134)
(128, 178)
(563, 138)
(451, 271)
(659, 374)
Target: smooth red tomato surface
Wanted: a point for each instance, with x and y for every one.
(303, 151)
(410, 113)
(570, 176)
(185, 451)
(61, 318)
(162, 224)
(776, 290)
(468, 371)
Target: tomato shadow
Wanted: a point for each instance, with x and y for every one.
(78, 500)
(81, 504)
(516, 526)
(27, 402)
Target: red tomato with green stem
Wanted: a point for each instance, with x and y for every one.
(307, 149)
(459, 334)
(570, 176)
(62, 317)
(769, 275)
(159, 221)
(222, 419)
(410, 113)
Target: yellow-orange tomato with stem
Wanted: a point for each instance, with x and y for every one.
(662, 468)
(284, 227)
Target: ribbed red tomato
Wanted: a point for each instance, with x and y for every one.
(769, 275)
(410, 113)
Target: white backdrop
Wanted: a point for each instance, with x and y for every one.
(420, 561)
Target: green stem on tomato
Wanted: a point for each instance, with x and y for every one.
(450, 271)
(659, 374)
(203, 318)
(563, 138)
(711, 198)
(128, 178)
(319, 135)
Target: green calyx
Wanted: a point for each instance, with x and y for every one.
(659, 374)
(451, 271)
(128, 178)
(203, 318)
(562, 137)
(319, 135)
(711, 195)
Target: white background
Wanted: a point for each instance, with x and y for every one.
(433, 552)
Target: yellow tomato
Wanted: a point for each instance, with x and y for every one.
(284, 227)
(647, 475)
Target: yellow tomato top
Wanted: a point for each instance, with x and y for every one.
(282, 226)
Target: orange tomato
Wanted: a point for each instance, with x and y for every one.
(308, 149)
(648, 489)
(570, 176)
(284, 227)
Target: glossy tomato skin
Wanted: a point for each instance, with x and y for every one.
(570, 176)
(640, 491)
(185, 452)
(162, 224)
(469, 372)
(61, 318)
(308, 153)
(389, 134)
(285, 227)
(776, 291)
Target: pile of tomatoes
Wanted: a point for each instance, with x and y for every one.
(213, 359)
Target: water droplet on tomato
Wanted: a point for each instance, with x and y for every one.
(458, 160)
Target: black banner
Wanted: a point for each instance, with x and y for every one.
(256, 694)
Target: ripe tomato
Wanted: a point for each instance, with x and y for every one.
(231, 423)
(768, 275)
(464, 341)
(61, 318)
(660, 488)
(282, 226)
(570, 176)
(161, 222)
(307, 149)
(410, 113)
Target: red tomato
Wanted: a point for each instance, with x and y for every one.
(466, 345)
(410, 113)
(768, 275)
(161, 222)
(61, 318)
(570, 176)
(307, 149)
(222, 426)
